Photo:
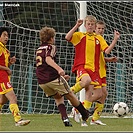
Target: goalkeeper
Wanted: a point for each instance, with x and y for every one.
(48, 74)
(6, 89)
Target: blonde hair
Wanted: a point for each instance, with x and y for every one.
(46, 33)
(100, 22)
(90, 18)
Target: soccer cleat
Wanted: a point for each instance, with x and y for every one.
(84, 124)
(67, 123)
(97, 122)
(22, 122)
(76, 115)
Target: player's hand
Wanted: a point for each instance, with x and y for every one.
(61, 72)
(116, 34)
(79, 22)
(12, 60)
(9, 72)
(67, 77)
(113, 59)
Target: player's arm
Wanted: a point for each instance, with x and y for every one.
(116, 37)
(70, 33)
(52, 63)
(111, 59)
(12, 60)
(7, 69)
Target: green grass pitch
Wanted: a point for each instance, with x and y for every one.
(53, 123)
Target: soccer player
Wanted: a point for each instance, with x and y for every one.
(6, 89)
(88, 47)
(49, 74)
(100, 28)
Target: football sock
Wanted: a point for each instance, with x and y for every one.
(87, 104)
(98, 111)
(15, 112)
(76, 88)
(62, 110)
(82, 110)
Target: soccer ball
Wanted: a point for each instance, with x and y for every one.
(120, 109)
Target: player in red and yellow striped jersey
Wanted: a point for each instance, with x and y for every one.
(88, 47)
(100, 27)
(6, 89)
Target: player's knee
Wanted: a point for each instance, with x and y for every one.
(57, 96)
(99, 94)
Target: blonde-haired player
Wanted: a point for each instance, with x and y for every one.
(88, 46)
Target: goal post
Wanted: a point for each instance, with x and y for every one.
(83, 13)
(1, 13)
(25, 19)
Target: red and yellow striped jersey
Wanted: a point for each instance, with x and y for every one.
(4, 60)
(4, 55)
(102, 70)
(87, 50)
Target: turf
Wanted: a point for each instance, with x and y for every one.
(53, 123)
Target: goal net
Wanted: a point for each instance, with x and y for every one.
(25, 19)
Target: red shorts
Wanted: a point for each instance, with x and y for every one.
(95, 78)
(103, 80)
(5, 85)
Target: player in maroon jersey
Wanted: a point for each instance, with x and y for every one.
(49, 74)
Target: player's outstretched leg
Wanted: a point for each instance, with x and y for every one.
(84, 113)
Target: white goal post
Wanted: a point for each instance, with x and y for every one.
(27, 18)
(83, 13)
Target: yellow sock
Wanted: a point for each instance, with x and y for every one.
(1, 105)
(87, 104)
(98, 111)
(76, 88)
(15, 111)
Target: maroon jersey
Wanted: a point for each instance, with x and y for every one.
(44, 72)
